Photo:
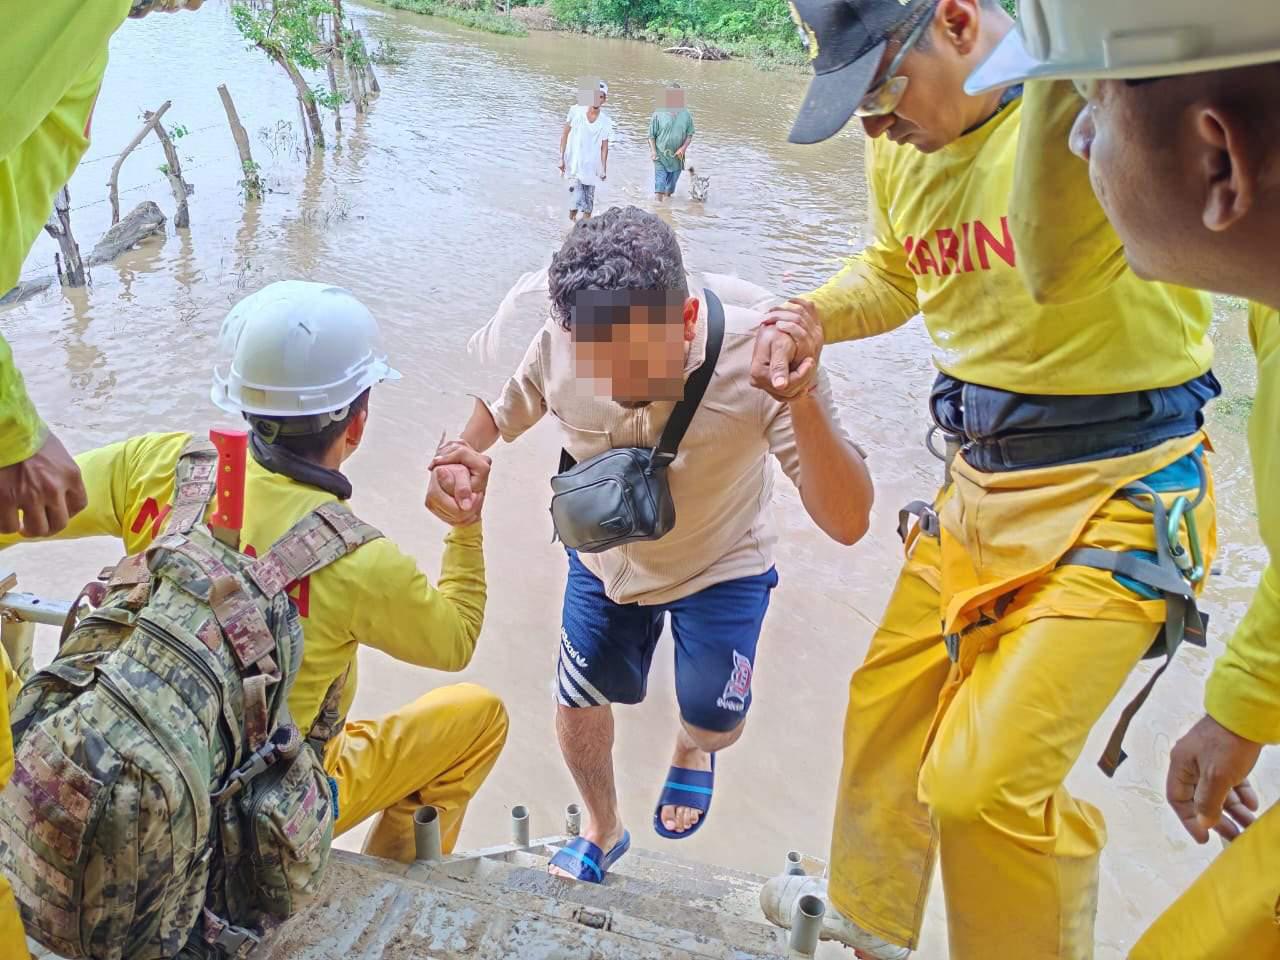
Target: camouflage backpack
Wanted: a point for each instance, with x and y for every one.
(162, 801)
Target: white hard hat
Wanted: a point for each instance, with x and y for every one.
(1130, 39)
(297, 349)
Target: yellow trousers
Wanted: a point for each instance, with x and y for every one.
(979, 779)
(434, 752)
(1232, 911)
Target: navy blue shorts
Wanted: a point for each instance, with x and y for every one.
(606, 647)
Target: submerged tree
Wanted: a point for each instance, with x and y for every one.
(288, 31)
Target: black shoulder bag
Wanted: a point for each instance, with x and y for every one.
(623, 495)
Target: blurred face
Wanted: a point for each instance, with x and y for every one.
(931, 110)
(671, 99)
(590, 94)
(630, 346)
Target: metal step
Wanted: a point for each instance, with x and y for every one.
(494, 909)
(707, 903)
(501, 904)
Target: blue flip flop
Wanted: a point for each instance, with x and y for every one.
(583, 860)
(686, 788)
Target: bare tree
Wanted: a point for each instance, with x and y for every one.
(59, 227)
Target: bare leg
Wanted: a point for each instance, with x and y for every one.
(586, 740)
(694, 747)
(573, 215)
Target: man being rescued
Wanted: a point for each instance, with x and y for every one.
(1070, 542)
(627, 336)
(298, 360)
(1200, 131)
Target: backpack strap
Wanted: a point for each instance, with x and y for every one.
(195, 482)
(329, 719)
(325, 535)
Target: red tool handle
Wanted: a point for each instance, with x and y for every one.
(233, 451)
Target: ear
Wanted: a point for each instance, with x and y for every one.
(691, 308)
(959, 20)
(355, 427)
(1227, 166)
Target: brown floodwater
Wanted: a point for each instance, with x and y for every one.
(429, 207)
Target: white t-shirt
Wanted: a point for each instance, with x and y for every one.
(582, 152)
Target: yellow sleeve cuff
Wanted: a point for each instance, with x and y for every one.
(1243, 692)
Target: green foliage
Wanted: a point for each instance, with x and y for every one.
(478, 18)
(329, 99)
(252, 184)
(286, 28)
(178, 131)
(763, 27)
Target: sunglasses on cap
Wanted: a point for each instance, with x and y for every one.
(883, 99)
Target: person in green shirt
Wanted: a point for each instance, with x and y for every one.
(670, 133)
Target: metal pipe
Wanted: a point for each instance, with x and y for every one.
(807, 924)
(426, 834)
(33, 609)
(795, 864)
(573, 819)
(520, 825)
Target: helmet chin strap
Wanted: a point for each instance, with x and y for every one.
(271, 429)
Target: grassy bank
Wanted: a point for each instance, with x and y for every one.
(757, 30)
(477, 17)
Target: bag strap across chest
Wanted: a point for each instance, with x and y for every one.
(695, 387)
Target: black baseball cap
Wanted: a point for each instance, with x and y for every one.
(846, 40)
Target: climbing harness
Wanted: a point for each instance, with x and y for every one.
(923, 510)
(1170, 574)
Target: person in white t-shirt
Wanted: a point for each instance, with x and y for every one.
(584, 150)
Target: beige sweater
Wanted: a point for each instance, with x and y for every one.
(721, 481)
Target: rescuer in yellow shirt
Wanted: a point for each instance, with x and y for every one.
(1202, 131)
(1045, 570)
(52, 58)
(298, 361)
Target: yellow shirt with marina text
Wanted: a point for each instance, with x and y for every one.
(944, 247)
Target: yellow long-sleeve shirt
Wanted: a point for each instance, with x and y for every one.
(1243, 693)
(1081, 258)
(945, 246)
(375, 596)
(52, 58)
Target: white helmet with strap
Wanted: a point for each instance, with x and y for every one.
(1130, 39)
(299, 350)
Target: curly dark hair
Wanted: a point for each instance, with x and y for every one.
(624, 248)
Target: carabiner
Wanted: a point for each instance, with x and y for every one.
(1191, 565)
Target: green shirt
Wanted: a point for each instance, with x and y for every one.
(669, 130)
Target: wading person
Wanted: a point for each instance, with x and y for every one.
(298, 361)
(1185, 156)
(584, 149)
(670, 133)
(1030, 589)
(630, 350)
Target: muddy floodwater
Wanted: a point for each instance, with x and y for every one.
(429, 208)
